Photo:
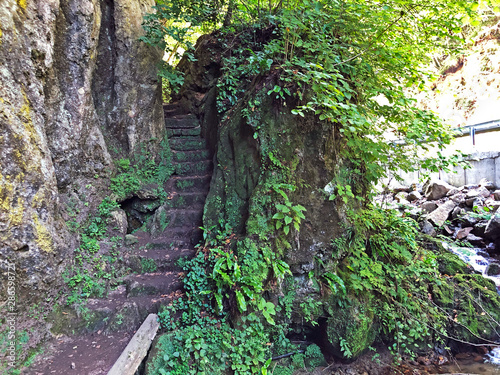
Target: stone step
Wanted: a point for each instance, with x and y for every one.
(197, 168)
(183, 200)
(190, 156)
(182, 121)
(166, 242)
(188, 144)
(182, 132)
(180, 218)
(152, 284)
(157, 260)
(189, 184)
(120, 312)
(174, 109)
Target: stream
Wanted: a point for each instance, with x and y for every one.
(480, 261)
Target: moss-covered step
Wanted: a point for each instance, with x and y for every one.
(157, 260)
(182, 121)
(191, 156)
(179, 132)
(183, 200)
(198, 168)
(187, 144)
(191, 183)
(152, 284)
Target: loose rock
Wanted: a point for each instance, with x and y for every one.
(487, 184)
(492, 230)
(437, 190)
(462, 233)
(428, 228)
(429, 206)
(413, 196)
(440, 215)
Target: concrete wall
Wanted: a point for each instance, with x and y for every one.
(483, 165)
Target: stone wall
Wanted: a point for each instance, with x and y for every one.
(77, 89)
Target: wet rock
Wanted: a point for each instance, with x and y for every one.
(413, 196)
(437, 190)
(475, 240)
(429, 206)
(440, 215)
(462, 233)
(428, 228)
(493, 269)
(480, 228)
(492, 230)
(487, 184)
(463, 355)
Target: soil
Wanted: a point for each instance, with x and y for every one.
(90, 354)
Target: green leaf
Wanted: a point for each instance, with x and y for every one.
(241, 301)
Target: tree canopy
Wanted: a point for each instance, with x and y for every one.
(348, 61)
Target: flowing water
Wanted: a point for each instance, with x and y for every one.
(479, 260)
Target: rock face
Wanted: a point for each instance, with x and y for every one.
(75, 83)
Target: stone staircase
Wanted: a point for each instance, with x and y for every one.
(175, 227)
(156, 278)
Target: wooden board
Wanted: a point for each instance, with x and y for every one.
(137, 348)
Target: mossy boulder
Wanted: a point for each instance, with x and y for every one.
(350, 329)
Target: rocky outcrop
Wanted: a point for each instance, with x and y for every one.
(77, 90)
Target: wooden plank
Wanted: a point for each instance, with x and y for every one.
(137, 348)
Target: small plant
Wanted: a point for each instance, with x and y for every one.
(288, 213)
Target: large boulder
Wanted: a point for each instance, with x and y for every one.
(437, 190)
(351, 329)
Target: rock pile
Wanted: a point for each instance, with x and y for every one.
(468, 213)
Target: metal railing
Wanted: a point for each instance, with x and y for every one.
(472, 130)
(463, 131)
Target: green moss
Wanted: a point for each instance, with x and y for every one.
(350, 330)
(443, 294)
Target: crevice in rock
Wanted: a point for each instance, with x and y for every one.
(103, 80)
(138, 211)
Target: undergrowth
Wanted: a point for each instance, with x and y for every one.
(96, 261)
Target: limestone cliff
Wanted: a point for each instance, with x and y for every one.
(77, 89)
